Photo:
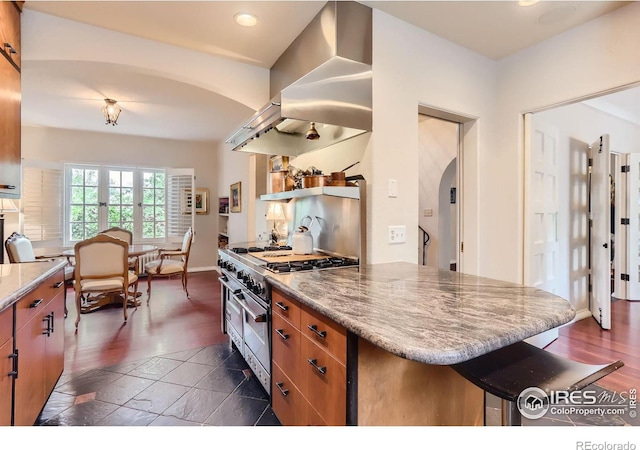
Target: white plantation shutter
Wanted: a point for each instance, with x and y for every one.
(41, 203)
(180, 208)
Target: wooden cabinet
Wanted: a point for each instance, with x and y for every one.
(6, 365)
(38, 341)
(10, 161)
(309, 374)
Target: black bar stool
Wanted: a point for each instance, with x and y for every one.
(508, 371)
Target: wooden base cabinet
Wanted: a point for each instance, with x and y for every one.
(39, 346)
(6, 365)
(309, 365)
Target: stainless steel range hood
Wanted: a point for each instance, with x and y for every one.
(323, 77)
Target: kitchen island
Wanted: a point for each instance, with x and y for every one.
(404, 326)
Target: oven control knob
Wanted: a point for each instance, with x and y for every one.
(258, 288)
(240, 275)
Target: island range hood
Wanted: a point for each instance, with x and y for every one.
(321, 87)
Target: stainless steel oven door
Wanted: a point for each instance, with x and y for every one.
(256, 328)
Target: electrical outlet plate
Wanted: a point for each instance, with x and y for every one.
(397, 234)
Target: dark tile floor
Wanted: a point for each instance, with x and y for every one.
(205, 386)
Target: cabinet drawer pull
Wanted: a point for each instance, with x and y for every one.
(7, 186)
(314, 363)
(284, 392)
(282, 306)
(282, 335)
(314, 328)
(47, 319)
(10, 47)
(14, 372)
(35, 303)
(52, 321)
(58, 284)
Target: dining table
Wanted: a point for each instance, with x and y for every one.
(135, 251)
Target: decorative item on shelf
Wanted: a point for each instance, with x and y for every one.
(277, 163)
(275, 212)
(6, 206)
(235, 195)
(312, 134)
(111, 112)
(223, 205)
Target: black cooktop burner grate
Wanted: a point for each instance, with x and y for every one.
(297, 266)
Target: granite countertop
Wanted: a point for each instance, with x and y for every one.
(17, 280)
(424, 314)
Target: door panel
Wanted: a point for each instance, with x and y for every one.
(633, 229)
(541, 212)
(600, 195)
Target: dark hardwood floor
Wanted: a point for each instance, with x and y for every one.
(170, 323)
(585, 341)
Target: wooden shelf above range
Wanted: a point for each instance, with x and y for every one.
(335, 191)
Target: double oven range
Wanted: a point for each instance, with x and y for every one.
(246, 302)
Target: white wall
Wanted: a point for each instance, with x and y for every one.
(413, 67)
(57, 145)
(593, 58)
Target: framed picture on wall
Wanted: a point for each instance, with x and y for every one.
(202, 201)
(235, 197)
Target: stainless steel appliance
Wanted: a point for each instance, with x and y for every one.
(246, 304)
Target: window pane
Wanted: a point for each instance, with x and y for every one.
(147, 195)
(114, 196)
(127, 213)
(128, 226)
(147, 229)
(91, 195)
(114, 214)
(77, 177)
(127, 179)
(77, 213)
(160, 179)
(160, 229)
(91, 229)
(91, 177)
(160, 196)
(91, 213)
(77, 231)
(127, 196)
(147, 180)
(148, 213)
(160, 213)
(114, 178)
(77, 195)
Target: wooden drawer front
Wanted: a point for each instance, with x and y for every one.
(327, 392)
(311, 416)
(287, 407)
(286, 307)
(10, 30)
(285, 352)
(328, 335)
(6, 325)
(34, 302)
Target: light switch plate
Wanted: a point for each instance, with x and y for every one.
(397, 234)
(393, 187)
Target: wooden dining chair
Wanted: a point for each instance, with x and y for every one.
(170, 262)
(102, 268)
(126, 236)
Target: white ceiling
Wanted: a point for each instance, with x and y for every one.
(161, 107)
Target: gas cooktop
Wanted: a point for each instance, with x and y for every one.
(268, 248)
(311, 264)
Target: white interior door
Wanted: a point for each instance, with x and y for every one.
(633, 228)
(541, 211)
(600, 253)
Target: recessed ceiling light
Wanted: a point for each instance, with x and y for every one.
(245, 19)
(527, 2)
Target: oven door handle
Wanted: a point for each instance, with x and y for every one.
(258, 318)
(228, 286)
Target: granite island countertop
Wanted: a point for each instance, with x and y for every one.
(425, 314)
(17, 280)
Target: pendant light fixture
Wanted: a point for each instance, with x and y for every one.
(111, 112)
(312, 134)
